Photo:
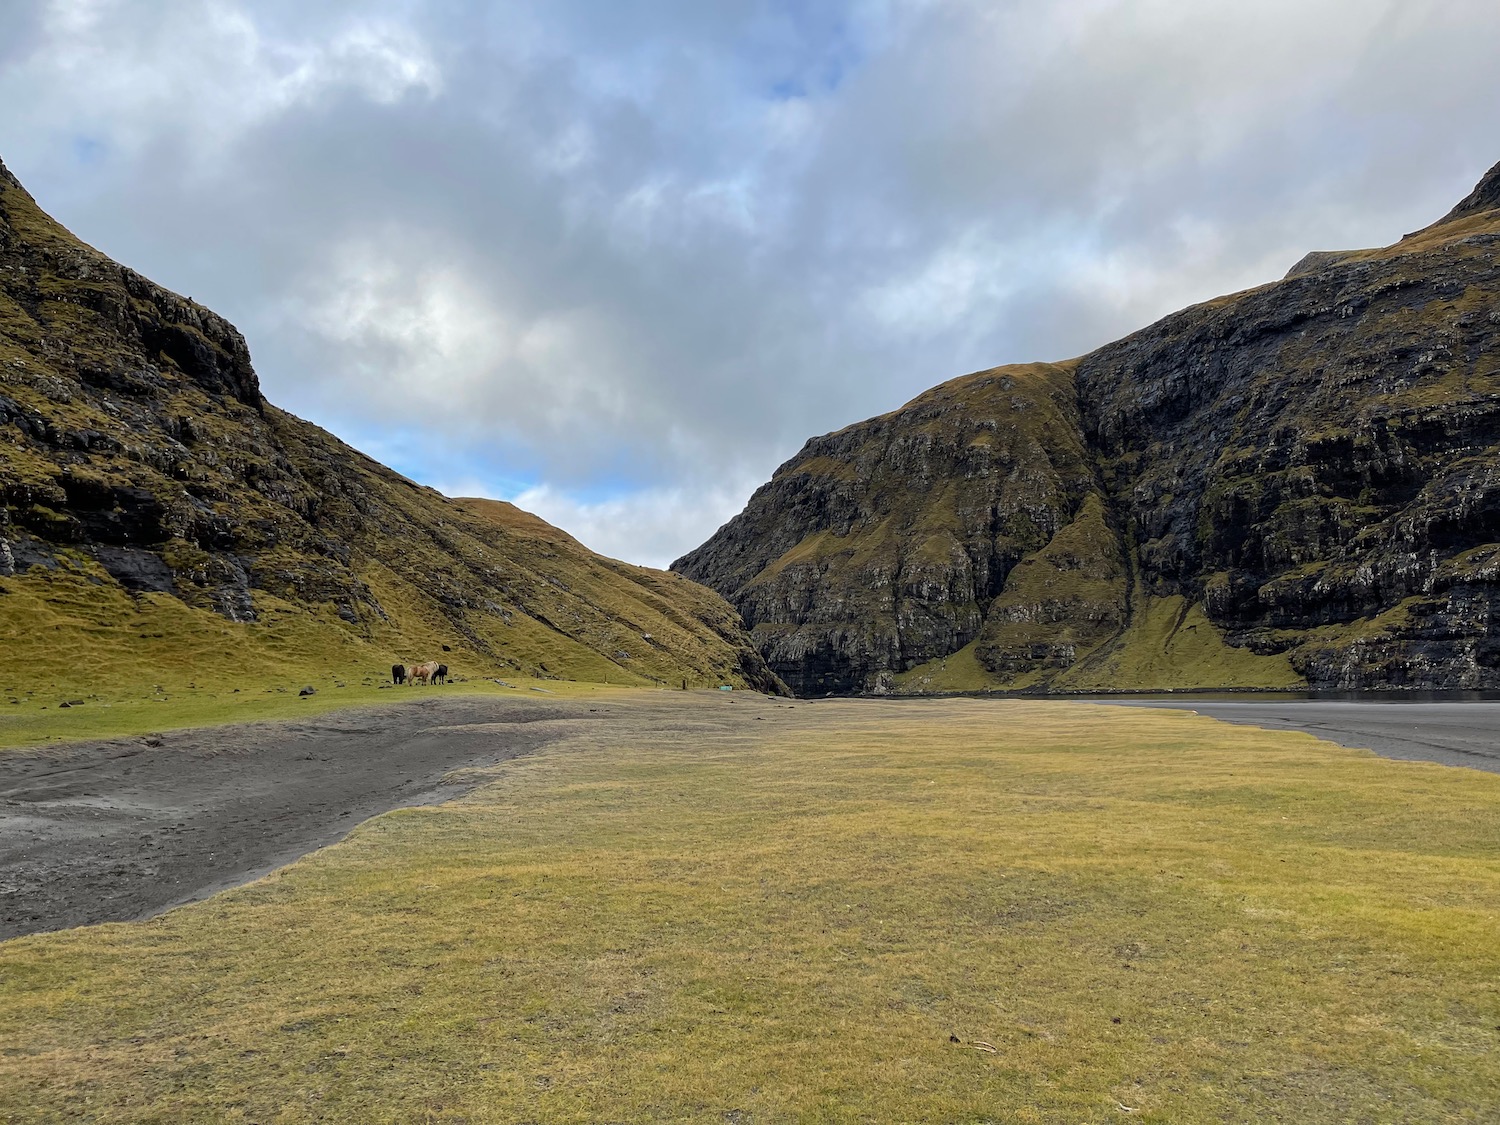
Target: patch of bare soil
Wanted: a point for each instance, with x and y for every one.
(124, 829)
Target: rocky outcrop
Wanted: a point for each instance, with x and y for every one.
(1309, 467)
(881, 546)
(1061, 602)
(1316, 460)
(1484, 197)
(139, 451)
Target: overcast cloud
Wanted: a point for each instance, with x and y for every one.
(617, 260)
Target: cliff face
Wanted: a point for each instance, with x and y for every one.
(1297, 483)
(1315, 460)
(881, 546)
(143, 478)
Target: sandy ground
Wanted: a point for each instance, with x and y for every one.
(119, 830)
(123, 829)
(1452, 734)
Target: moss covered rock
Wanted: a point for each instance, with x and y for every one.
(154, 507)
(1304, 476)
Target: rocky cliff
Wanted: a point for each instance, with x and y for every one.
(882, 546)
(1294, 484)
(159, 518)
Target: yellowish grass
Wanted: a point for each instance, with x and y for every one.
(33, 725)
(1168, 645)
(700, 915)
(1171, 643)
(152, 662)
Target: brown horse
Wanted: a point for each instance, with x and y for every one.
(422, 672)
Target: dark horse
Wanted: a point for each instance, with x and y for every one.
(441, 675)
(398, 673)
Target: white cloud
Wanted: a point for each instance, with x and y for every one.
(195, 75)
(647, 526)
(665, 242)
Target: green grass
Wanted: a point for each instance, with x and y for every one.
(29, 726)
(1167, 645)
(694, 915)
(153, 662)
(958, 672)
(1171, 643)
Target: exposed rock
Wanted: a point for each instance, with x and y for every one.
(1315, 460)
(1484, 197)
(1061, 602)
(138, 571)
(135, 447)
(1305, 475)
(879, 547)
(1318, 260)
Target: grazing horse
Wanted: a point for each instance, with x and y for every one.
(440, 675)
(398, 673)
(422, 673)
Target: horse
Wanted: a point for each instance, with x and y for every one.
(398, 673)
(422, 673)
(440, 676)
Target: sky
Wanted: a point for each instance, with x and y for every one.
(616, 260)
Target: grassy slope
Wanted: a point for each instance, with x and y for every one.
(1068, 597)
(322, 529)
(794, 919)
(1421, 366)
(1170, 643)
(1167, 644)
(72, 633)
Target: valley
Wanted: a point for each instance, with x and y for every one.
(164, 530)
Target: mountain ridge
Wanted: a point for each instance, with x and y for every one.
(1291, 485)
(157, 513)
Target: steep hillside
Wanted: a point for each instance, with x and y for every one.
(1294, 484)
(881, 546)
(161, 522)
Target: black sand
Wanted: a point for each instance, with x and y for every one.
(121, 830)
(1451, 734)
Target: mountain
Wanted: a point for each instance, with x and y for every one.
(161, 522)
(1293, 485)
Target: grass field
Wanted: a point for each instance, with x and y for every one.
(743, 910)
(127, 715)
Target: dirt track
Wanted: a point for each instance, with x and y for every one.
(118, 830)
